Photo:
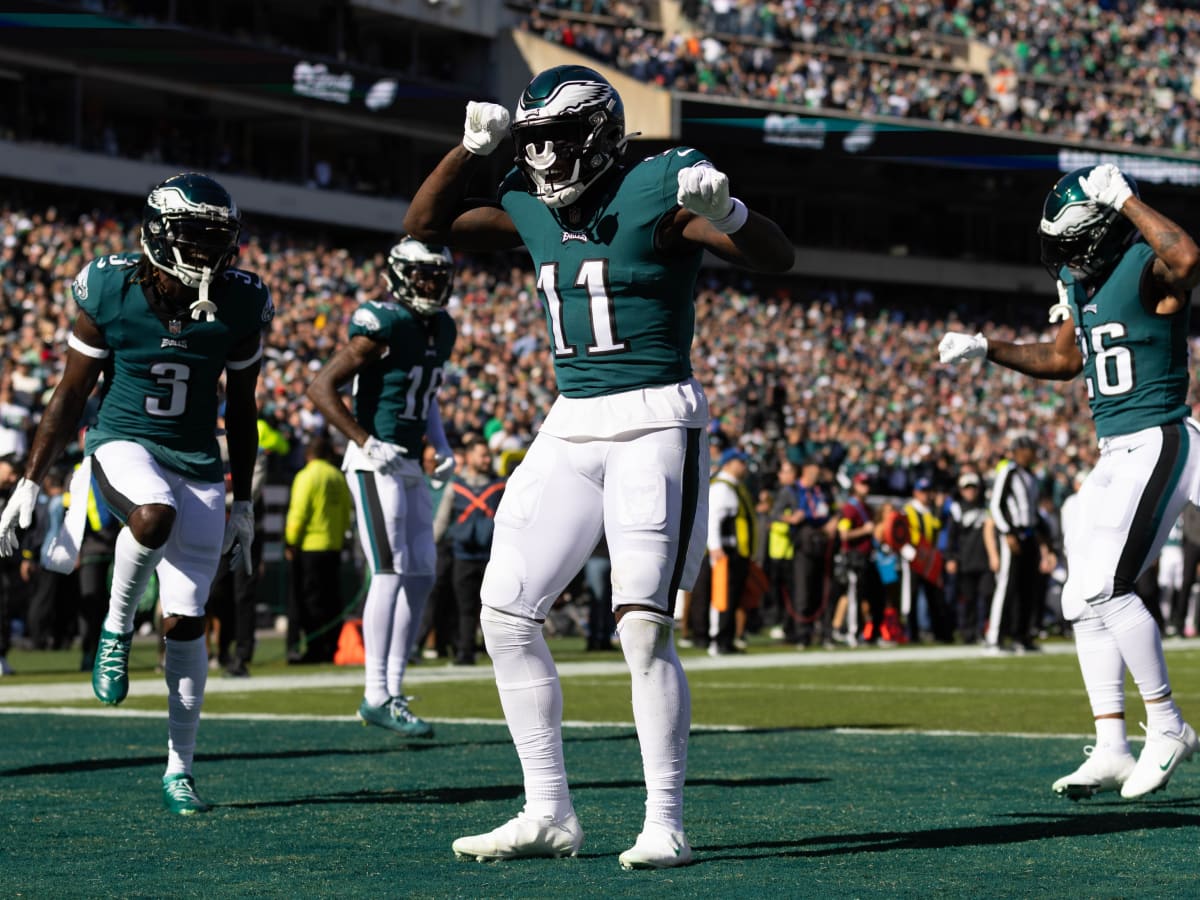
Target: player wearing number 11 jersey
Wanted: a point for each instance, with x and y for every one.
(616, 248)
(163, 327)
(1124, 273)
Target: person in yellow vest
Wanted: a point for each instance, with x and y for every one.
(318, 517)
(732, 540)
(923, 597)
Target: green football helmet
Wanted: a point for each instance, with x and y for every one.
(1080, 234)
(190, 228)
(420, 275)
(569, 129)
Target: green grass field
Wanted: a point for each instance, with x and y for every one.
(897, 773)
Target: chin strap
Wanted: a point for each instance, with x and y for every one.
(204, 307)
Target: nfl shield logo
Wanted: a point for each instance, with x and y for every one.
(174, 326)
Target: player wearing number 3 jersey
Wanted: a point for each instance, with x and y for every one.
(396, 351)
(163, 327)
(1124, 274)
(616, 248)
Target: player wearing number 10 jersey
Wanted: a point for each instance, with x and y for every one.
(163, 327)
(1125, 274)
(395, 355)
(616, 248)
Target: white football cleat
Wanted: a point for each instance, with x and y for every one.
(1160, 757)
(524, 836)
(1103, 770)
(657, 848)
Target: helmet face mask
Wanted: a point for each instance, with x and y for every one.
(420, 276)
(190, 228)
(1075, 232)
(569, 129)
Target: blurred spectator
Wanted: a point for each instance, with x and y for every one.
(318, 517)
(732, 537)
(967, 557)
(811, 519)
(864, 590)
(466, 515)
(923, 598)
(1181, 616)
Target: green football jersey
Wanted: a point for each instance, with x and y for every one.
(1135, 362)
(160, 378)
(392, 395)
(620, 313)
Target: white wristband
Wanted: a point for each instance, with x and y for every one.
(735, 219)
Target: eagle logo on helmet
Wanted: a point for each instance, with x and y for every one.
(568, 131)
(1078, 234)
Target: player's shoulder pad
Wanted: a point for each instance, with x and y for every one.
(100, 275)
(512, 182)
(372, 319)
(662, 169)
(250, 292)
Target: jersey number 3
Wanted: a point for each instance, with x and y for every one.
(592, 275)
(173, 376)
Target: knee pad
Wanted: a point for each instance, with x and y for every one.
(638, 578)
(503, 631)
(503, 585)
(645, 637)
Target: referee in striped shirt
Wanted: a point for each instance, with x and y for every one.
(1017, 601)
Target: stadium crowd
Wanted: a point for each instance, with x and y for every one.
(795, 375)
(1121, 73)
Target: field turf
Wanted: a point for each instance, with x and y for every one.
(902, 773)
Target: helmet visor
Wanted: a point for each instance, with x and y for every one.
(202, 243)
(428, 281)
(536, 141)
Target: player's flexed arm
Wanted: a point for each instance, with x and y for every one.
(723, 224)
(1057, 360)
(86, 353)
(440, 212)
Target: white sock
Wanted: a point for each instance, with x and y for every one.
(662, 712)
(1136, 633)
(133, 565)
(406, 620)
(531, 697)
(1103, 672)
(378, 612)
(187, 672)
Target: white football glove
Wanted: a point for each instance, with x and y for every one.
(705, 191)
(1106, 186)
(444, 466)
(485, 128)
(1061, 311)
(18, 513)
(239, 535)
(957, 347)
(385, 458)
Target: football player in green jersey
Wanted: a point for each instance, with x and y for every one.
(162, 327)
(1124, 273)
(616, 247)
(395, 356)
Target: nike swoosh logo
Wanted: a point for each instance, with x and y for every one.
(684, 152)
(1167, 764)
(1131, 449)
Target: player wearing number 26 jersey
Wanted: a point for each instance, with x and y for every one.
(616, 247)
(1124, 274)
(395, 355)
(163, 328)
